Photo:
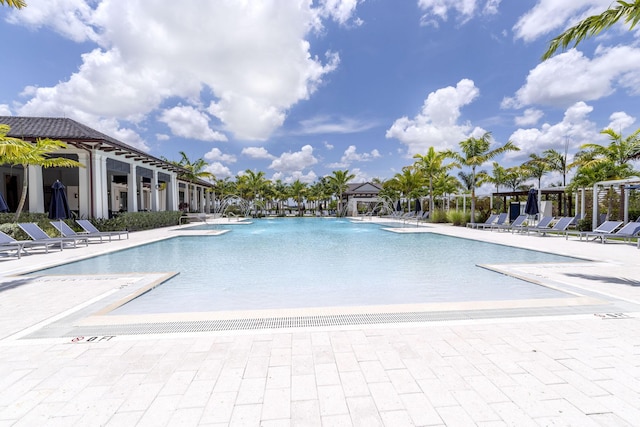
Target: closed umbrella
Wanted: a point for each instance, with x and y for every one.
(59, 207)
(398, 206)
(531, 208)
(3, 204)
(418, 206)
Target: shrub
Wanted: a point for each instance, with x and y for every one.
(458, 218)
(439, 216)
(136, 221)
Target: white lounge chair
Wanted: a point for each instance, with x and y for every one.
(38, 235)
(67, 231)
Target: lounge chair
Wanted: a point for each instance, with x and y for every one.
(90, 228)
(517, 224)
(38, 235)
(560, 227)
(501, 220)
(67, 231)
(606, 227)
(492, 218)
(626, 233)
(8, 243)
(543, 224)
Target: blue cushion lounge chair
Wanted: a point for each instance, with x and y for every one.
(492, 218)
(501, 220)
(38, 235)
(559, 228)
(606, 227)
(90, 228)
(517, 224)
(67, 231)
(8, 243)
(543, 224)
(626, 233)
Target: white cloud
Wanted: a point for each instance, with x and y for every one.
(309, 178)
(253, 57)
(219, 170)
(327, 145)
(620, 121)
(257, 153)
(465, 9)
(575, 129)
(216, 155)
(162, 137)
(341, 11)
(67, 17)
(571, 77)
(531, 116)
(553, 16)
(4, 110)
(437, 123)
(296, 161)
(350, 155)
(188, 122)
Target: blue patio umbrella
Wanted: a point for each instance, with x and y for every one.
(531, 208)
(3, 204)
(59, 207)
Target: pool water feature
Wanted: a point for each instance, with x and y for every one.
(316, 262)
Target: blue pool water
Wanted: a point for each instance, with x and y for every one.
(308, 262)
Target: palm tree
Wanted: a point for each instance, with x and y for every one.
(430, 166)
(338, 183)
(498, 178)
(18, 152)
(536, 167)
(407, 182)
(475, 152)
(255, 183)
(18, 4)
(593, 25)
(297, 192)
(193, 171)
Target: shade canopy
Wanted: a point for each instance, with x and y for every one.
(59, 207)
(531, 208)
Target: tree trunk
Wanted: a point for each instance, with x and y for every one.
(23, 195)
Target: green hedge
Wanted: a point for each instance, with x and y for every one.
(132, 221)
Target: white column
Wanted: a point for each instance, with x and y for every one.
(35, 189)
(100, 186)
(132, 189)
(85, 175)
(594, 220)
(154, 191)
(172, 193)
(202, 199)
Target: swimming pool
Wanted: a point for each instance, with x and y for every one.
(316, 262)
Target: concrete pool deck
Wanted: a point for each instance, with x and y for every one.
(561, 367)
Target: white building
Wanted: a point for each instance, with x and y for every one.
(116, 176)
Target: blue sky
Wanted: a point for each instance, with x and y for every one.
(298, 89)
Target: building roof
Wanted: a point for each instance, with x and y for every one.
(81, 136)
(363, 188)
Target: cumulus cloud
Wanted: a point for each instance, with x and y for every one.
(437, 123)
(620, 121)
(552, 16)
(531, 116)
(341, 11)
(216, 155)
(465, 10)
(575, 129)
(4, 110)
(188, 122)
(308, 178)
(294, 161)
(249, 64)
(257, 153)
(219, 170)
(571, 77)
(351, 155)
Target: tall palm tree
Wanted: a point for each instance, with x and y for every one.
(339, 184)
(430, 166)
(475, 152)
(594, 24)
(297, 191)
(498, 178)
(536, 167)
(193, 171)
(18, 152)
(407, 183)
(255, 183)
